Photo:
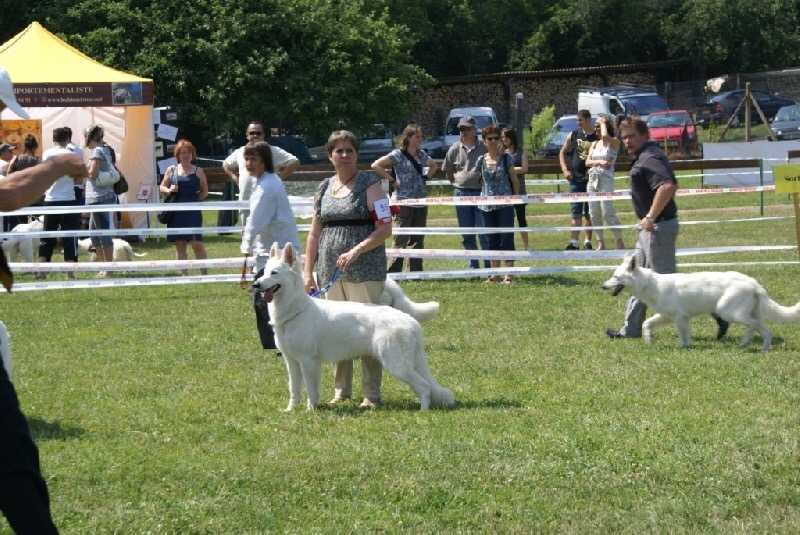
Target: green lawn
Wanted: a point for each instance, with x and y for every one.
(156, 411)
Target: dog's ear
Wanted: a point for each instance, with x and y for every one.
(273, 251)
(632, 263)
(288, 254)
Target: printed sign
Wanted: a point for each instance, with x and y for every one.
(15, 131)
(84, 94)
(787, 178)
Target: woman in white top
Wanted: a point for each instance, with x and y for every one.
(271, 220)
(61, 193)
(602, 157)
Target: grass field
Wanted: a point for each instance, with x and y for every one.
(156, 411)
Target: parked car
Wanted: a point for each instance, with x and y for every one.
(719, 108)
(622, 100)
(673, 129)
(786, 124)
(294, 145)
(375, 142)
(561, 130)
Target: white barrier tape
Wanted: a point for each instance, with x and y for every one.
(452, 254)
(156, 231)
(414, 275)
(150, 207)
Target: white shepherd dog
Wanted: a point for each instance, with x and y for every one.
(5, 348)
(123, 252)
(310, 331)
(677, 297)
(22, 245)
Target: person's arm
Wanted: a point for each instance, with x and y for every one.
(562, 158)
(591, 162)
(94, 166)
(166, 183)
(231, 166)
(381, 167)
(286, 170)
(383, 229)
(522, 170)
(512, 175)
(432, 167)
(449, 167)
(312, 249)
(664, 194)
(21, 188)
(203, 193)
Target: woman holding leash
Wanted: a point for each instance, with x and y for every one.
(409, 163)
(189, 183)
(351, 222)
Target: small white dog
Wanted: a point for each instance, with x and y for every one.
(310, 331)
(677, 297)
(5, 348)
(123, 252)
(25, 247)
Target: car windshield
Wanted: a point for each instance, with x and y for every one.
(645, 104)
(562, 129)
(481, 122)
(788, 113)
(669, 119)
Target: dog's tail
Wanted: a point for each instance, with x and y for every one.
(772, 311)
(139, 254)
(5, 348)
(396, 298)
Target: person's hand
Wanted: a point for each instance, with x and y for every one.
(345, 260)
(309, 283)
(173, 188)
(69, 165)
(647, 224)
(568, 175)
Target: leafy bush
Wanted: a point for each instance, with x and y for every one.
(541, 124)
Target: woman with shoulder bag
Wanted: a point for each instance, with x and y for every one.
(100, 190)
(409, 163)
(188, 183)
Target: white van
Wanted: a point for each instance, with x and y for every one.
(484, 116)
(622, 100)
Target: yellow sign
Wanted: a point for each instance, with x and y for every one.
(787, 178)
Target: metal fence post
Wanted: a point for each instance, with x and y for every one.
(761, 183)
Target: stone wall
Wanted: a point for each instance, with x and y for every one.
(430, 106)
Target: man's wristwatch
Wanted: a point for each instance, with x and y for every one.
(650, 218)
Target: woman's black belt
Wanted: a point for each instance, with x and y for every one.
(348, 223)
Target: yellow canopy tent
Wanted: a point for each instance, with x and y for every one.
(61, 86)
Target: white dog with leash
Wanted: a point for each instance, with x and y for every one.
(24, 246)
(309, 331)
(677, 297)
(123, 252)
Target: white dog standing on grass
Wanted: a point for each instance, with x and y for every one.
(26, 247)
(677, 297)
(311, 331)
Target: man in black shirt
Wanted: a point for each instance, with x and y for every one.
(653, 187)
(572, 158)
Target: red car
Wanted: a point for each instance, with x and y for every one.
(673, 129)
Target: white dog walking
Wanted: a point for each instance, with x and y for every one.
(22, 245)
(310, 331)
(123, 252)
(677, 297)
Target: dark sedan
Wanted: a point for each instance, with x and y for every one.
(721, 107)
(787, 122)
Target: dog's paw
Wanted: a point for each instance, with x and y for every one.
(647, 337)
(290, 407)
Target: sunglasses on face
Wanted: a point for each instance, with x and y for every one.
(492, 138)
(255, 133)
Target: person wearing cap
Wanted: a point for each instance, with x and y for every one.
(461, 169)
(24, 499)
(6, 155)
(285, 163)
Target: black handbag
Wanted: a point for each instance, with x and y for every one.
(165, 217)
(121, 185)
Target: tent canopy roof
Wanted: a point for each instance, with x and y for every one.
(36, 56)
